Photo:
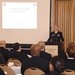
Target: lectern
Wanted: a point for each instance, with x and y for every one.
(58, 46)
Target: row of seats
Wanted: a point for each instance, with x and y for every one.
(39, 58)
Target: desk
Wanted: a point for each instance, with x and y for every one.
(16, 69)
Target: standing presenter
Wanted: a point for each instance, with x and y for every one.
(56, 35)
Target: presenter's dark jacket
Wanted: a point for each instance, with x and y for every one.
(56, 37)
(35, 61)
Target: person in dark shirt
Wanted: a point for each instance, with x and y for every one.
(2, 60)
(56, 65)
(56, 35)
(16, 53)
(70, 61)
(2, 72)
(3, 50)
(44, 54)
(35, 60)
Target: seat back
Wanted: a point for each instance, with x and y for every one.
(68, 72)
(15, 61)
(33, 71)
(7, 70)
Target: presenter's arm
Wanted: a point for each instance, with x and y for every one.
(50, 37)
(62, 38)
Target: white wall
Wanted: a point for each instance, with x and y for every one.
(28, 36)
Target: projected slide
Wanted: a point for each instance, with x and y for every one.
(19, 15)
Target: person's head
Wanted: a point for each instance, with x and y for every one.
(70, 52)
(55, 28)
(16, 47)
(35, 50)
(2, 43)
(42, 45)
(71, 44)
(56, 64)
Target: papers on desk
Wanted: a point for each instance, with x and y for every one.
(52, 49)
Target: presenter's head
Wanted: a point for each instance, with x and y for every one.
(56, 28)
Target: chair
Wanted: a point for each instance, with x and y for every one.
(33, 71)
(68, 72)
(7, 70)
(15, 61)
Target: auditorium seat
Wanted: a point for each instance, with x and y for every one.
(7, 70)
(15, 61)
(33, 71)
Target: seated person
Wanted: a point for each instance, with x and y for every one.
(43, 54)
(35, 61)
(56, 65)
(27, 51)
(71, 44)
(3, 50)
(2, 60)
(2, 72)
(63, 55)
(70, 61)
(16, 53)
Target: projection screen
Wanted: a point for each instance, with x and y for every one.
(24, 21)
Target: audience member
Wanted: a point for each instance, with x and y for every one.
(71, 44)
(63, 55)
(70, 62)
(16, 53)
(35, 61)
(56, 65)
(2, 60)
(44, 54)
(3, 50)
(2, 72)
